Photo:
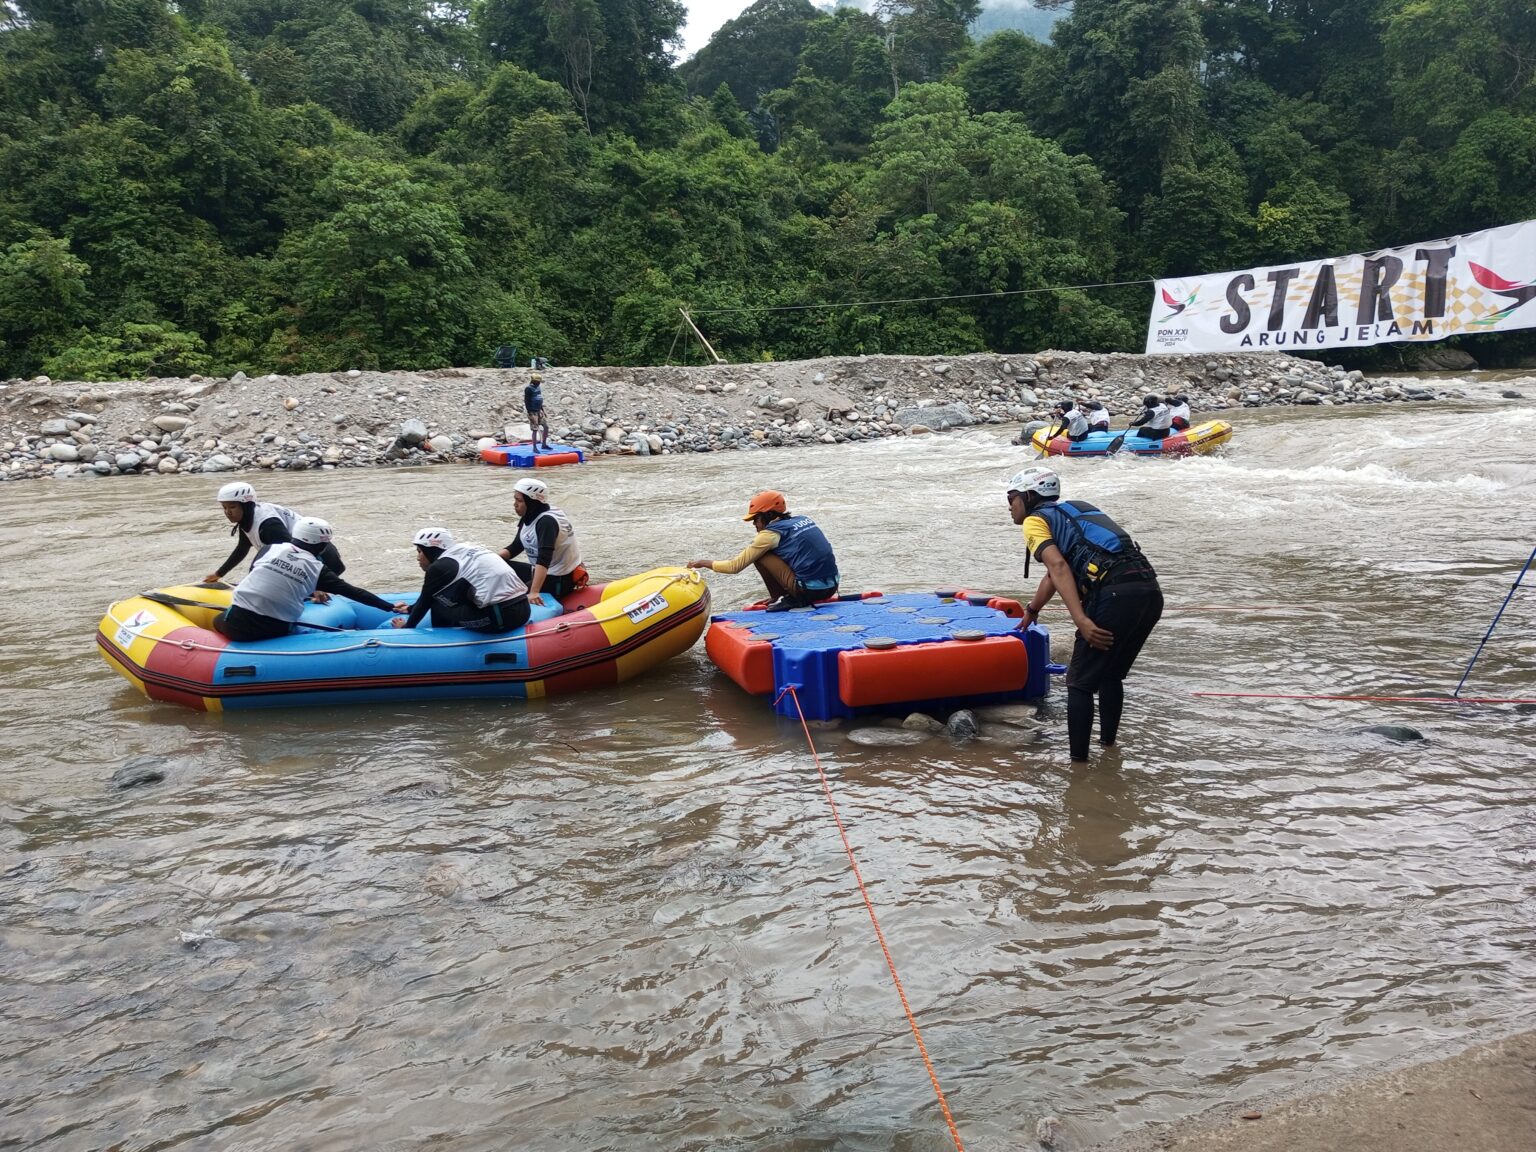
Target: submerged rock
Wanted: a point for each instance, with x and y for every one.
(962, 725)
(139, 770)
(1399, 732)
(887, 737)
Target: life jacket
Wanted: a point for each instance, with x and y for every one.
(567, 557)
(279, 583)
(1098, 419)
(1097, 549)
(490, 578)
(1159, 418)
(533, 398)
(260, 514)
(1077, 423)
(804, 547)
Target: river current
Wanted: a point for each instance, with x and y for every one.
(625, 920)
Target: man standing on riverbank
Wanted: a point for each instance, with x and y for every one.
(1107, 585)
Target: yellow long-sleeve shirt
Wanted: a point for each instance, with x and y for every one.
(763, 543)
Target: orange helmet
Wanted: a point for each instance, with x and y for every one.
(765, 502)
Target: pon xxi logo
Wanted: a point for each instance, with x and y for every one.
(1520, 294)
(1174, 302)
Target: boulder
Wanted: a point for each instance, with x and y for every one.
(412, 433)
(219, 462)
(442, 445)
(62, 452)
(168, 465)
(956, 415)
(171, 423)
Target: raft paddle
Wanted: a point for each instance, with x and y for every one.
(177, 602)
(1114, 445)
(1051, 435)
(1460, 684)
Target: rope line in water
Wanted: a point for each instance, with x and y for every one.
(869, 906)
(1393, 699)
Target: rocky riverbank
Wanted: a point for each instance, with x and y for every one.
(367, 419)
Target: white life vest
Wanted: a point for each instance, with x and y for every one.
(261, 515)
(1177, 410)
(489, 576)
(1161, 419)
(1077, 423)
(279, 583)
(1099, 419)
(567, 557)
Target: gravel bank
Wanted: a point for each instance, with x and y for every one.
(368, 419)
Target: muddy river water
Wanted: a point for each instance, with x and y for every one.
(624, 920)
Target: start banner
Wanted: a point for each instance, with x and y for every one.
(1480, 282)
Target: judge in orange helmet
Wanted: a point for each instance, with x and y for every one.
(790, 553)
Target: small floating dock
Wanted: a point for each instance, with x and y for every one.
(929, 652)
(522, 455)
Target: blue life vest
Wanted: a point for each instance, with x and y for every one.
(804, 547)
(1094, 546)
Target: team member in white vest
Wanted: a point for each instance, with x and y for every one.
(1155, 419)
(464, 586)
(271, 598)
(1098, 416)
(1178, 413)
(546, 536)
(260, 526)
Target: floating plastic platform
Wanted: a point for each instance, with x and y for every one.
(522, 455)
(928, 652)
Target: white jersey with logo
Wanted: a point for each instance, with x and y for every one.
(489, 576)
(279, 583)
(1160, 419)
(567, 557)
(261, 515)
(1077, 423)
(1176, 411)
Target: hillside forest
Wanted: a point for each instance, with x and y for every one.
(309, 185)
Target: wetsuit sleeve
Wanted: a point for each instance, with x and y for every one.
(439, 574)
(515, 548)
(762, 544)
(547, 531)
(1037, 534)
(330, 582)
(1146, 414)
(274, 531)
(239, 554)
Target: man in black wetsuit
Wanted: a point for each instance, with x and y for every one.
(464, 586)
(269, 601)
(1107, 585)
(260, 525)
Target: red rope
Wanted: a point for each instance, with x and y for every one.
(875, 920)
(1393, 699)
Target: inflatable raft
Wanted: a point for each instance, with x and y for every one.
(930, 652)
(161, 643)
(1193, 441)
(522, 455)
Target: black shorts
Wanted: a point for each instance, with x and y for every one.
(241, 624)
(1130, 609)
(1152, 433)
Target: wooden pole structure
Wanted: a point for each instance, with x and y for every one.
(707, 347)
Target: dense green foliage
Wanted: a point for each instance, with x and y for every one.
(213, 185)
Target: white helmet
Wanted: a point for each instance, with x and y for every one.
(533, 489)
(1041, 481)
(311, 530)
(433, 538)
(237, 493)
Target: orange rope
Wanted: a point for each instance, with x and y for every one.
(875, 920)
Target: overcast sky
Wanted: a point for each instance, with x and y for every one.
(704, 20)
